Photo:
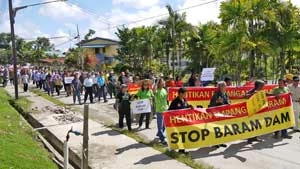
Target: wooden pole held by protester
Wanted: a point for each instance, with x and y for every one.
(85, 137)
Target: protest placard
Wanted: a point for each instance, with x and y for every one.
(208, 74)
(141, 106)
(68, 80)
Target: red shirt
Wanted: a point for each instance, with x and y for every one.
(179, 83)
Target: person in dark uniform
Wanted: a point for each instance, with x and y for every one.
(122, 105)
(180, 102)
(219, 98)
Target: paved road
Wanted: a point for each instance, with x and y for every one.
(269, 154)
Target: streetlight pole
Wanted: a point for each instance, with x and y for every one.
(12, 14)
(13, 42)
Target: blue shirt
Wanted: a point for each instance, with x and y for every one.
(101, 80)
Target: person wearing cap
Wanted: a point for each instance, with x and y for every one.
(88, 86)
(122, 105)
(180, 102)
(161, 105)
(220, 98)
(281, 89)
(294, 89)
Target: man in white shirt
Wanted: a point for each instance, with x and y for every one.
(88, 86)
(294, 89)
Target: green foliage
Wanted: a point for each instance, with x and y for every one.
(19, 149)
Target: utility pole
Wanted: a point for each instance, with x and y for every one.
(85, 145)
(12, 13)
(80, 52)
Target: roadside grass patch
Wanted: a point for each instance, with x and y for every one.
(47, 97)
(19, 147)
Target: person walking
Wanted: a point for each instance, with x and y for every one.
(101, 85)
(294, 89)
(57, 83)
(122, 105)
(76, 88)
(25, 81)
(88, 86)
(161, 105)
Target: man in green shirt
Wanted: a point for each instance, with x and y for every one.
(281, 89)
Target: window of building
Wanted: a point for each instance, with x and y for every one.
(97, 50)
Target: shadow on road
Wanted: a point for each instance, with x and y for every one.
(130, 147)
(108, 132)
(233, 149)
(151, 159)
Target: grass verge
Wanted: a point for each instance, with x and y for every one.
(47, 97)
(157, 146)
(19, 148)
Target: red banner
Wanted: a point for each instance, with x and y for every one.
(206, 93)
(185, 117)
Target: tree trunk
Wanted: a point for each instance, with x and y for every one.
(252, 63)
(282, 63)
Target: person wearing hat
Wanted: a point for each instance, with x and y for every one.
(180, 102)
(122, 105)
(294, 89)
(289, 79)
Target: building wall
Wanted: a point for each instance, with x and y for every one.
(111, 51)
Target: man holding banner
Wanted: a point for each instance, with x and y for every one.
(281, 89)
(180, 103)
(258, 86)
(220, 98)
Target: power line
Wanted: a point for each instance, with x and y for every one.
(156, 16)
(90, 12)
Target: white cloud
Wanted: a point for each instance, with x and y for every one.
(138, 4)
(62, 10)
(201, 13)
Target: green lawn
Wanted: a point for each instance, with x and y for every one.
(47, 97)
(18, 147)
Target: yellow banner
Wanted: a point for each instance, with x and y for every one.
(195, 128)
(257, 102)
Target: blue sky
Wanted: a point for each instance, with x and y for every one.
(60, 19)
